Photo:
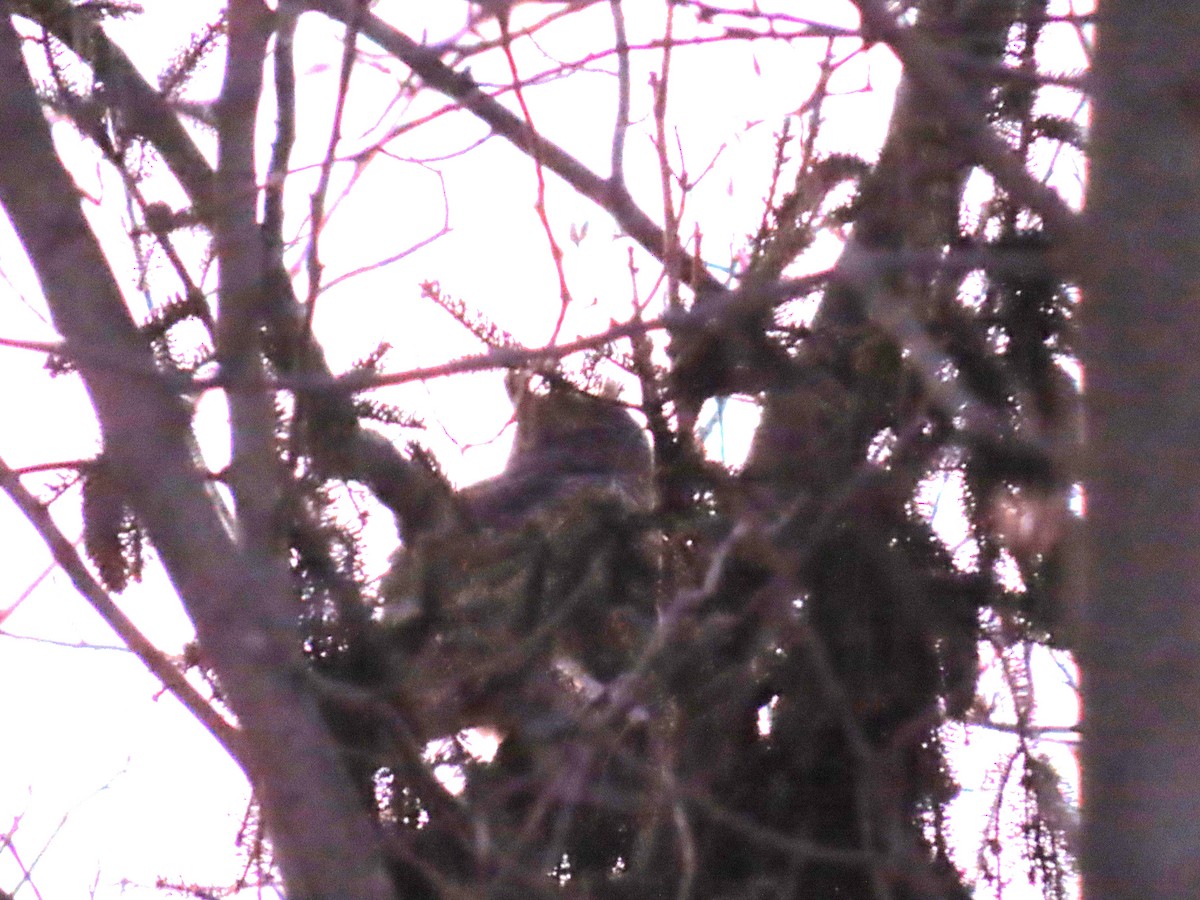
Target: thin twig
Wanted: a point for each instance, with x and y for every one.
(159, 664)
(556, 253)
(621, 127)
(317, 203)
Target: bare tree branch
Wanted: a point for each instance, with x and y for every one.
(242, 612)
(255, 475)
(924, 64)
(155, 660)
(610, 196)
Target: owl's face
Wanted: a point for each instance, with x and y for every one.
(566, 441)
(569, 431)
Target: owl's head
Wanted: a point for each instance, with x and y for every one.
(567, 439)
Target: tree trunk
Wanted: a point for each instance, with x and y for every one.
(243, 610)
(1141, 272)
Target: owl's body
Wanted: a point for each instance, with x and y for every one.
(550, 561)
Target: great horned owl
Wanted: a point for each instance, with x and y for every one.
(552, 560)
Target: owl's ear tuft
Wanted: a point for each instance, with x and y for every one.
(517, 384)
(609, 390)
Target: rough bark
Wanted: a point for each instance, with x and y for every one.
(242, 612)
(1141, 655)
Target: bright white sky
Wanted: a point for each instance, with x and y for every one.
(115, 784)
